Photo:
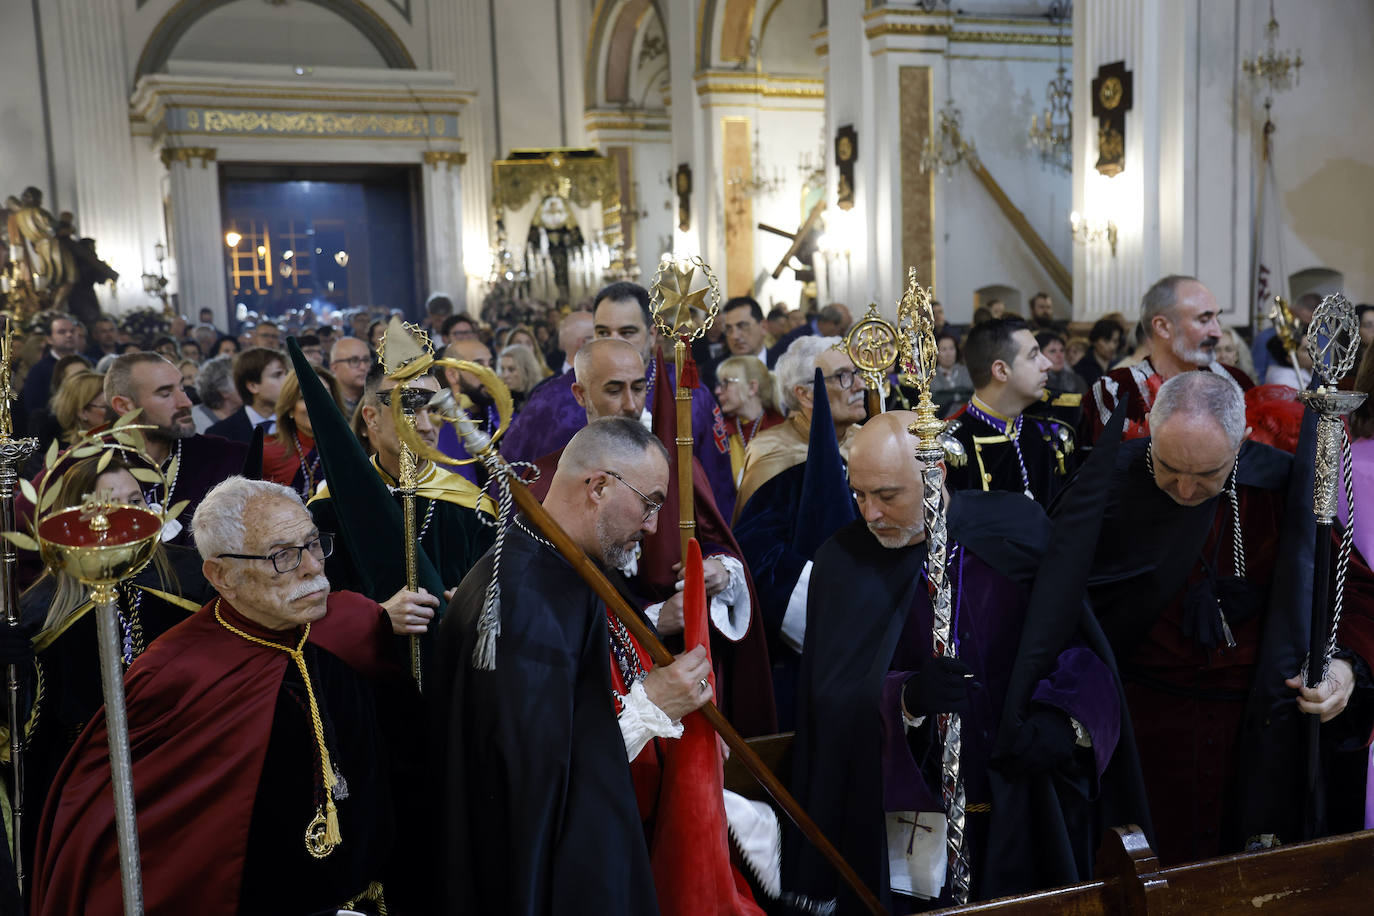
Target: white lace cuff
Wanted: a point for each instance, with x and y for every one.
(794, 619)
(641, 721)
(731, 608)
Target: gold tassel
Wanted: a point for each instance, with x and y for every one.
(331, 824)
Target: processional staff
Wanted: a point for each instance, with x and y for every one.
(13, 453)
(872, 348)
(513, 492)
(398, 350)
(1332, 342)
(674, 308)
(100, 543)
(916, 335)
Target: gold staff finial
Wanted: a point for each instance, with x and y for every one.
(916, 337)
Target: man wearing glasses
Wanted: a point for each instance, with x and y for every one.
(261, 756)
(775, 450)
(349, 360)
(610, 383)
(536, 741)
(450, 535)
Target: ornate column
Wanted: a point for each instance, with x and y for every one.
(461, 36)
(92, 37)
(1146, 200)
(197, 244)
(441, 186)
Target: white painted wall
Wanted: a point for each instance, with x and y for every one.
(980, 248)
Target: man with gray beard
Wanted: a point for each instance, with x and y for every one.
(1179, 316)
(866, 759)
(539, 806)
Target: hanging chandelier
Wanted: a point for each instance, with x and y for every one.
(1052, 138)
(760, 182)
(1278, 70)
(942, 150)
(946, 147)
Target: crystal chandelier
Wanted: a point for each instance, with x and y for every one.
(946, 148)
(1053, 138)
(1278, 70)
(942, 150)
(760, 182)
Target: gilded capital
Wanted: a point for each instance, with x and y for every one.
(449, 158)
(185, 154)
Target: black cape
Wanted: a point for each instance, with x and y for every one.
(838, 780)
(538, 811)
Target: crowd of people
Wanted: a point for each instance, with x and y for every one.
(315, 728)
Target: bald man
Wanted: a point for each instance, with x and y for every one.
(574, 331)
(610, 383)
(866, 760)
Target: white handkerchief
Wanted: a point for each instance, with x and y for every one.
(917, 856)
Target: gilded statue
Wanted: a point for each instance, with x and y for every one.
(54, 269)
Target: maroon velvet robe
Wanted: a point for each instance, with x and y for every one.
(200, 707)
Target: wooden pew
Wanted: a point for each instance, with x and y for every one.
(1328, 877)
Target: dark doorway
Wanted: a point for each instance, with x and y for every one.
(299, 235)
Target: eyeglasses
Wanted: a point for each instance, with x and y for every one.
(651, 508)
(844, 378)
(355, 362)
(724, 380)
(412, 399)
(289, 558)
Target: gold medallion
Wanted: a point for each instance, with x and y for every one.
(315, 843)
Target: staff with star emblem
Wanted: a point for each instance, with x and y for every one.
(676, 307)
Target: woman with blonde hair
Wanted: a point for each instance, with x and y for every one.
(79, 404)
(750, 399)
(289, 456)
(519, 369)
(66, 673)
(522, 336)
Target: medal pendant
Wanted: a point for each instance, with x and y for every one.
(315, 843)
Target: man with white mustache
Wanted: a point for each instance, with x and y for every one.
(258, 716)
(1179, 316)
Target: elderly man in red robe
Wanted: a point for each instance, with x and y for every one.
(261, 785)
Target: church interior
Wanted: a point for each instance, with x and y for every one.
(945, 137)
(316, 169)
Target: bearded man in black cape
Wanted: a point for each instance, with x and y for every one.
(539, 813)
(1048, 760)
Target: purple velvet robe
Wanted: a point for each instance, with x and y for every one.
(552, 416)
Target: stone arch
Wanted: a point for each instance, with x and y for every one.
(1010, 296)
(186, 13)
(617, 29)
(1319, 280)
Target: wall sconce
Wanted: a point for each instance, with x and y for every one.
(1090, 231)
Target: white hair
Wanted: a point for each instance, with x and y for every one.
(798, 366)
(1206, 394)
(218, 525)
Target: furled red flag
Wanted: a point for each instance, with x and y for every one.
(691, 851)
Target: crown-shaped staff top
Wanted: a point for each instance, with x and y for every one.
(404, 344)
(679, 311)
(1333, 338)
(916, 337)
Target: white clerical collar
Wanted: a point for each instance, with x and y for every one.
(258, 419)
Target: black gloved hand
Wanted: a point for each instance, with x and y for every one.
(940, 686)
(1046, 741)
(15, 647)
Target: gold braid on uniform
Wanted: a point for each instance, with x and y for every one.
(316, 844)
